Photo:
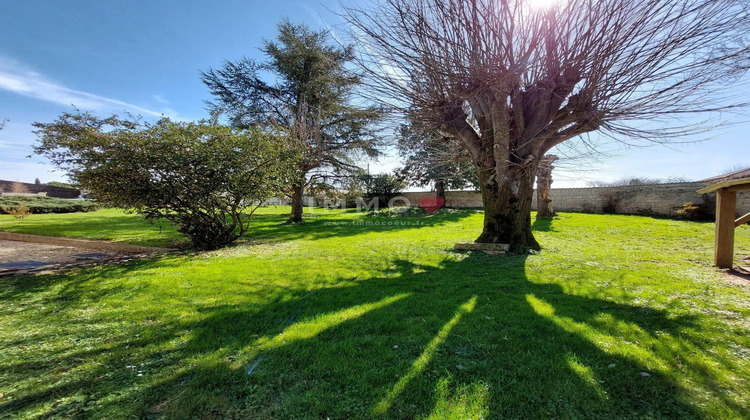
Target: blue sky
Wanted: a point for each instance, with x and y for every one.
(145, 57)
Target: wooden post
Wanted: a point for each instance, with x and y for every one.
(725, 212)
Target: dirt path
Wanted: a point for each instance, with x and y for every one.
(19, 257)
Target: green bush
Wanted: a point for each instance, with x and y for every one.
(45, 205)
(206, 178)
(414, 211)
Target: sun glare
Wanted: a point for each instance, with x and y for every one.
(542, 4)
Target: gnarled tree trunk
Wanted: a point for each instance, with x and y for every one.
(507, 209)
(543, 187)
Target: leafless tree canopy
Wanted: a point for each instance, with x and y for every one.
(511, 80)
(554, 72)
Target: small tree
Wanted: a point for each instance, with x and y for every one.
(432, 157)
(206, 178)
(354, 189)
(384, 188)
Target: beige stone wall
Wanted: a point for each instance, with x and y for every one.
(455, 199)
(661, 199)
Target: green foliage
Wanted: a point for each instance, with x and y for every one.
(431, 157)
(204, 177)
(60, 184)
(312, 96)
(343, 319)
(44, 205)
(414, 211)
(383, 187)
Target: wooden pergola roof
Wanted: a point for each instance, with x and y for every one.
(726, 211)
(733, 184)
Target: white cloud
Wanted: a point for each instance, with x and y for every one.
(20, 79)
(161, 99)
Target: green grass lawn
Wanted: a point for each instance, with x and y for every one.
(618, 317)
(108, 224)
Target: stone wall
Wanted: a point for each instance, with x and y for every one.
(660, 199)
(22, 187)
(455, 199)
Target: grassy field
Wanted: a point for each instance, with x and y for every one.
(116, 225)
(347, 316)
(108, 224)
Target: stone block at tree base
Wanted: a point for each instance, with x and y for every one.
(474, 246)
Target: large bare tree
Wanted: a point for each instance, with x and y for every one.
(511, 80)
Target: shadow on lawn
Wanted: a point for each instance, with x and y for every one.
(269, 228)
(127, 227)
(543, 224)
(469, 338)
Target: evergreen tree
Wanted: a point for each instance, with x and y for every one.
(312, 95)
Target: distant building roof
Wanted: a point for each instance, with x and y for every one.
(22, 187)
(741, 174)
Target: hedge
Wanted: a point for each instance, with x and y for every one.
(42, 205)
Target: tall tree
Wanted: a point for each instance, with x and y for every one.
(311, 94)
(510, 79)
(432, 157)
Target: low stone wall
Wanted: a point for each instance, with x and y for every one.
(455, 199)
(660, 199)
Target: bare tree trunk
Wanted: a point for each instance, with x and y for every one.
(440, 189)
(298, 205)
(543, 186)
(507, 210)
(511, 82)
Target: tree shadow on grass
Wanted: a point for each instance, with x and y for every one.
(470, 338)
(272, 229)
(740, 273)
(130, 228)
(543, 224)
(73, 282)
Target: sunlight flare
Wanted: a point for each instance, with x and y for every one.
(542, 4)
